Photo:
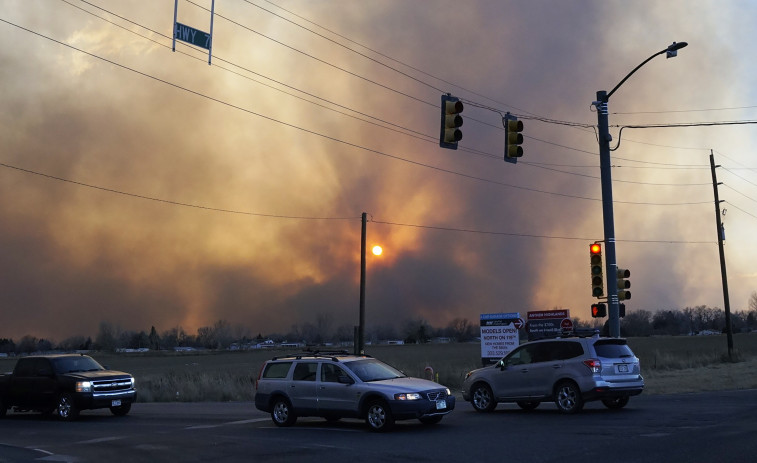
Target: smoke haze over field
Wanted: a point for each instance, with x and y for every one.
(145, 188)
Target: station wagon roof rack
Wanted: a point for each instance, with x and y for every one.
(331, 354)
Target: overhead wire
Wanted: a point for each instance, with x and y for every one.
(449, 171)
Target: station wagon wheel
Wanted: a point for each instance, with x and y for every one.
(66, 410)
(568, 398)
(378, 417)
(282, 413)
(482, 398)
(616, 403)
(528, 405)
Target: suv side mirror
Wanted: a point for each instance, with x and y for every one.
(344, 379)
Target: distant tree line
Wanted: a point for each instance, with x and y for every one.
(221, 335)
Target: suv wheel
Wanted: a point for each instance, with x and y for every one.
(66, 409)
(379, 417)
(616, 403)
(482, 398)
(282, 413)
(568, 398)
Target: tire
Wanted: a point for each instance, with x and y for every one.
(568, 398)
(430, 419)
(123, 410)
(482, 398)
(379, 417)
(66, 410)
(528, 405)
(282, 413)
(616, 403)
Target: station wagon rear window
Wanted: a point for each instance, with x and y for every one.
(277, 370)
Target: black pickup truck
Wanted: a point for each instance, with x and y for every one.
(65, 384)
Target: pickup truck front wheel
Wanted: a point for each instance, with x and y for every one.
(66, 409)
(123, 410)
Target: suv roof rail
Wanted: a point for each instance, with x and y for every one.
(573, 333)
(332, 354)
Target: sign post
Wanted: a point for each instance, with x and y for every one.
(191, 35)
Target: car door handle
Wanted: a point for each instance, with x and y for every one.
(556, 366)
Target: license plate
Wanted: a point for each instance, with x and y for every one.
(622, 368)
(115, 403)
(441, 404)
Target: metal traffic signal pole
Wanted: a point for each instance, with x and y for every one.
(605, 168)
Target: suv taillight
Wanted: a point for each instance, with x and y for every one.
(594, 365)
(260, 373)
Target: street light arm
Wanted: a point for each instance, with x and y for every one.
(634, 70)
(671, 49)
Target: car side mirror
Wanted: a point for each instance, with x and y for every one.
(502, 365)
(344, 379)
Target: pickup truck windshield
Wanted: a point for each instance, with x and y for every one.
(76, 364)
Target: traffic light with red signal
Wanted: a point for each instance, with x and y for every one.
(597, 277)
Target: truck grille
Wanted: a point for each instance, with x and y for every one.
(111, 385)
(436, 395)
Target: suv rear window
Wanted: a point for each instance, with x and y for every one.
(276, 370)
(613, 349)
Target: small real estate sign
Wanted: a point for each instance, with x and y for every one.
(548, 323)
(499, 335)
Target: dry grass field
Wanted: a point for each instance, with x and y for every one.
(669, 365)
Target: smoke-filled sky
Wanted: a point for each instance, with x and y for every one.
(144, 187)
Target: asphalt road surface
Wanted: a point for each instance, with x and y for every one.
(703, 427)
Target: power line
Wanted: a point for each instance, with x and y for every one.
(526, 235)
(173, 203)
(328, 137)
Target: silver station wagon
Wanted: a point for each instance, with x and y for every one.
(336, 385)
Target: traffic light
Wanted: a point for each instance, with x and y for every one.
(623, 284)
(621, 310)
(597, 277)
(599, 310)
(513, 138)
(449, 131)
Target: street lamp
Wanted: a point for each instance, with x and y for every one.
(605, 167)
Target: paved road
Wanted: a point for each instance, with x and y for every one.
(706, 427)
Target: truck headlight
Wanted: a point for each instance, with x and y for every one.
(83, 386)
(407, 396)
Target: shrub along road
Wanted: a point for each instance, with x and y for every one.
(712, 426)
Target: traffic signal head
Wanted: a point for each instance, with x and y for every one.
(597, 278)
(623, 284)
(599, 310)
(449, 132)
(513, 138)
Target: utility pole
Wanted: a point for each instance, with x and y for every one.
(360, 345)
(723, 276)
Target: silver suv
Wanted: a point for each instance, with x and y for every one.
(336, 385)
(568, 371)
